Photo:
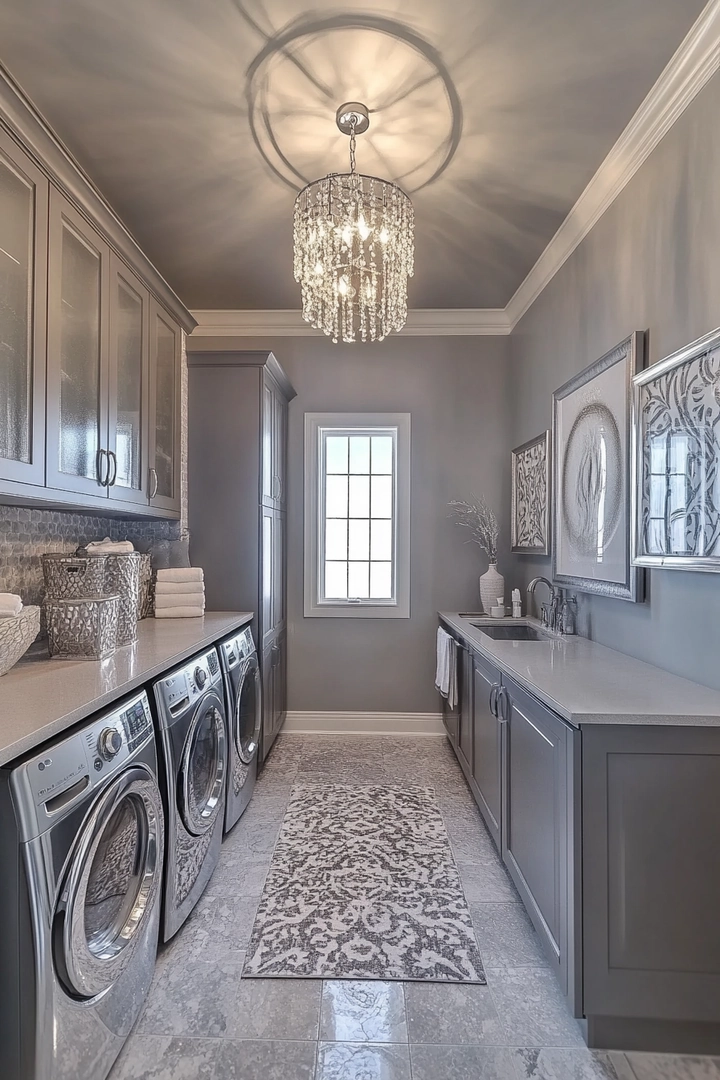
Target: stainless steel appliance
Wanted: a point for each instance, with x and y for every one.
(81, 849)
(191, 726)
(243, 695)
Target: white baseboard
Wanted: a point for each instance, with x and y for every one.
(363, 723)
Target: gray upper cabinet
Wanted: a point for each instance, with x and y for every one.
(128, 434)
(274, 443)
(24, 194)
(91, 339)
(487, 746)
(165, 389)
(78, 363)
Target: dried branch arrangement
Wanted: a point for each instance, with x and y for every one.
(480, 520)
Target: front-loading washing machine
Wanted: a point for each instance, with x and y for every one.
(241, 674)
(193, 756)
(81, 849)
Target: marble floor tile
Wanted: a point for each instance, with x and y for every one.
(532, 1009)
(152, 1057)
(674, 1067)
(363, 1011)
(239, 874)
(218, 929)
(506, 937)
(454, 1014)
(486, 881)
(212, 1000)
(257, 835)
(461, 1063)
(362, 1061)
(553, 1064)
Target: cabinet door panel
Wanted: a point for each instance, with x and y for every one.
(267, 574)
(268, 699)
(268, 441)
(279, 563)
(465, 733)
(487, 746)
(536, 817)
(77, 428)
(165, 388)
(129, 371)
(279, 452)
(23, 276)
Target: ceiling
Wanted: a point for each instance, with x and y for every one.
(200, 119)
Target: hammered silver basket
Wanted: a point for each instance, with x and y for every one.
(82, 628)
(68, 576)
(122, 578)
(16, 636)
(146, 591)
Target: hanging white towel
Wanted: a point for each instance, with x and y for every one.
(446, 668)
(180, 613)
(185, 588)
(181, 573)
(10, 605)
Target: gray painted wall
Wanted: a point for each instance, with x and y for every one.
(652, 262)
(455, 390)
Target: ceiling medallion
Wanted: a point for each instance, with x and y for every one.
(353, 247)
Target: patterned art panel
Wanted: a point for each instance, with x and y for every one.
(363, 885)
(530, 497)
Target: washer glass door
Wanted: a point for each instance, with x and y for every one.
(248, 712)
(203, 767)
(112, 885)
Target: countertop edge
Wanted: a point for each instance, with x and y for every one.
(24, 745)
(579, 719)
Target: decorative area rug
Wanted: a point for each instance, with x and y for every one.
(363, 885)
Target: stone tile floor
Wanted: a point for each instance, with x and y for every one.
(202, 1022)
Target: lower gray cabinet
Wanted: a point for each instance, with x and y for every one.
(465, 726)
(487, 745)
(538, 831)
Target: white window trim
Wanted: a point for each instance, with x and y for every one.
(399, 608)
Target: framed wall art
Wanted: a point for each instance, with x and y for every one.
(530, 514)
(592, 438)
(676, 452)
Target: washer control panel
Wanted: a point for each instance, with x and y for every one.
(180, 689)
(237, 648)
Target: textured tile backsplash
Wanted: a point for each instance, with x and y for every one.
(26, 534)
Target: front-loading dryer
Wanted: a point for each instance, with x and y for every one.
(241, 673)
(191, 725)
(81, 844)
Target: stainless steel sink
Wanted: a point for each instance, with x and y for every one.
(511, 633)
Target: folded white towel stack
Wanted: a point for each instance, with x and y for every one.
(10, 605)
(180, 593)
(109, 547)
(181, 573)
(446, 670)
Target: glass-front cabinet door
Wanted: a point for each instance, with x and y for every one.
(129, 384)
(165, 367)
(23, 275)
(77, 374)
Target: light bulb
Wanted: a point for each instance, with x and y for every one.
(363, 228)
(319, 269)
(384, 235)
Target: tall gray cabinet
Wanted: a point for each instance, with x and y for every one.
(237, 488)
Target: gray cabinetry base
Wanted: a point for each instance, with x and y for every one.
(658, 1036)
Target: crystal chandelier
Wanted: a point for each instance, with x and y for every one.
(353, 247)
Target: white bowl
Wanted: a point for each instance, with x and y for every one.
(17, 635)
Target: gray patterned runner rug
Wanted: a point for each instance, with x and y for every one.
(363, 885)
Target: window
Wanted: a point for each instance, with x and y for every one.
(670, 457)
(357, 515)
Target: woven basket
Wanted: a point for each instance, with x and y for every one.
(69, 576)
(16, 636)
(82, 628)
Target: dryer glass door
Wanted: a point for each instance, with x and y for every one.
(203, 768)
(112, 884)
(248, 710)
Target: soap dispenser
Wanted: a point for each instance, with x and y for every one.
(516, 604)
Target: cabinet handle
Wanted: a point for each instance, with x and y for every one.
(99, 458)
(153, 483)
(277, 487)
(111, 456)
(493, 698)
(502, 702)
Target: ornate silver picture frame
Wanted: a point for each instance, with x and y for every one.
(676, 460)
(530, 513)
(592, 439)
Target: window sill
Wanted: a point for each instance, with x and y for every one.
(357, 611)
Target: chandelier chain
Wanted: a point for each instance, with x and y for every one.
(352, 144)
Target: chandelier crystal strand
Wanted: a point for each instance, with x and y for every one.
(354, 241)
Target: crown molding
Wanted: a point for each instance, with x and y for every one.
(421, 322)
(689, 70)
(691, 67)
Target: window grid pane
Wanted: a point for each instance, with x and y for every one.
(358, 550)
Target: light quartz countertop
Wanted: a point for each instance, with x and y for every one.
(40, 697)
(587, 683)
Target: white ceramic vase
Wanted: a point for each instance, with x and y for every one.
(492, 585)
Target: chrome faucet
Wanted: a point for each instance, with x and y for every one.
(558, 614)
